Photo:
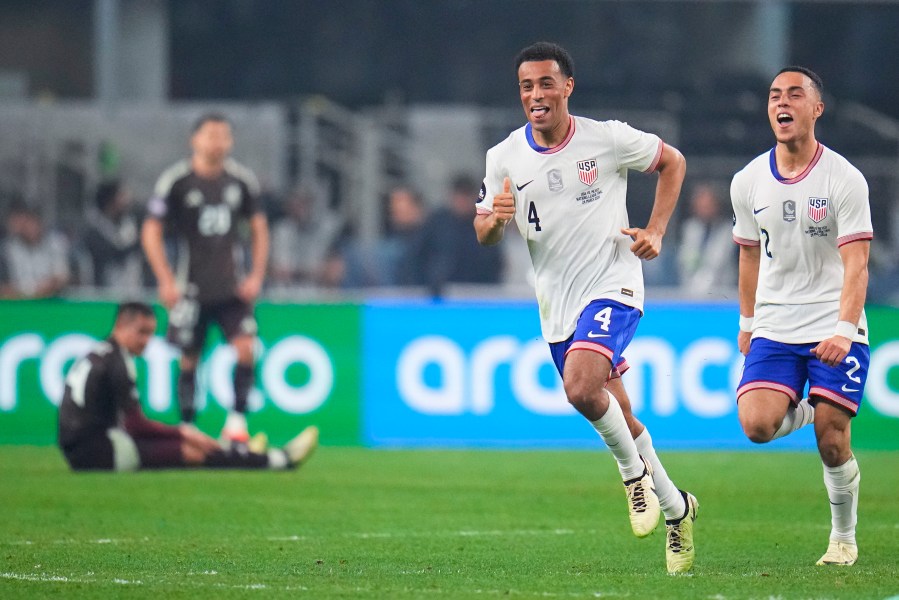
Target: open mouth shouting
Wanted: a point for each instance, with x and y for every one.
(784, 119)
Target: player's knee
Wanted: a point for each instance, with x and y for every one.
(243, 345)
(583, 397)
(189, 362)
(834, 449)
(759, 432)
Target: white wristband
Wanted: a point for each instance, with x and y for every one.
(746, 323)
(846, 329)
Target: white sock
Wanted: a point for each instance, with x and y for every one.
(842, 489)
(236, 421)
(277, 459)
(797, 416)
(614, 432)
(670, 498)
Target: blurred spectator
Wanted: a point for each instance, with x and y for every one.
(112, 239)
(707, 255)
(304, 239)
(35, 261)
(392, 260)
(448, 249)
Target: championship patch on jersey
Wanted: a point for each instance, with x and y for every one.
(817, 209)
(586, 171)
(193, 198)
(482, 193)
(554, 180)
(789, 209)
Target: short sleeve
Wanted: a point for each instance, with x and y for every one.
(745, 230)
(492, 185)
(635, 149)
(853, 209)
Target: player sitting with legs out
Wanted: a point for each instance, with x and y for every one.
(563, 180)
(102, 425)
(803, 222)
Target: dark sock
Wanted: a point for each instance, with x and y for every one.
(244, 375)
(187, 389)
(237, 457)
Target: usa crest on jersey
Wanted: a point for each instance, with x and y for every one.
(586, 171)
(817, 209)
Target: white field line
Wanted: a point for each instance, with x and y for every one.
(86, 580)
(426, 534)
(362, 535)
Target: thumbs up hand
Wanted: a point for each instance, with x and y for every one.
(504, 203)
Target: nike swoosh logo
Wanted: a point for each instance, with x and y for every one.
(848, 389)
(590, 334)
(757, 211)
(838, 503)
(521, 187)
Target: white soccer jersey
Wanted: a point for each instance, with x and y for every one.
(800, 224)
(570, 208)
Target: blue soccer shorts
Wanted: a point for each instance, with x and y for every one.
(606, 327)
(787, 368)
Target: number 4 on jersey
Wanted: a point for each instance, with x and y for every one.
(604, 317)
(532, 216)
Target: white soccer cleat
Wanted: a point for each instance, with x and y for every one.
(642, 503)
(679, 549)
(300, 448)
(842, 554)
(235, 429)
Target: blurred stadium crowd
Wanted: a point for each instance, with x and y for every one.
(370, 162)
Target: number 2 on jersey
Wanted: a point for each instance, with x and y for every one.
(532, 216)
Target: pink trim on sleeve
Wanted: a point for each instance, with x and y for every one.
(746, 242)
(658, 157)
(854, 237)
(484, 211)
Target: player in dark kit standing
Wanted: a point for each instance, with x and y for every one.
(102, 425)
(204, 199)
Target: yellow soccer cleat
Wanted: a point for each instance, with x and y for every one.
(679, 549)
(258, 444)
(300, 448)
(842, 554)
(642, 503)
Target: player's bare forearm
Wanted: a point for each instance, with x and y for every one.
(154, 249)
(672, 168)
(489, 229)
(648, 241)
(260, 245)
(748, 280)
(855, 280)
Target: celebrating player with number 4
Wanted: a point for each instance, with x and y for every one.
(803, 222)
(563, 180)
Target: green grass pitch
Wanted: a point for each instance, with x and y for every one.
(357, 523)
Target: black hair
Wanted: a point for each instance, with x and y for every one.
(547, 51)
(816, 79)
(127, 311)
(210, 117)
(107, 192)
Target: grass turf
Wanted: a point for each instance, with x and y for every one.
(358, 523)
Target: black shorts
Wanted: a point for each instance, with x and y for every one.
(115, 450)
(189, 322)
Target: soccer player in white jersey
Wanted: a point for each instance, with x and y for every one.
(563, 180)
(803, 222)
